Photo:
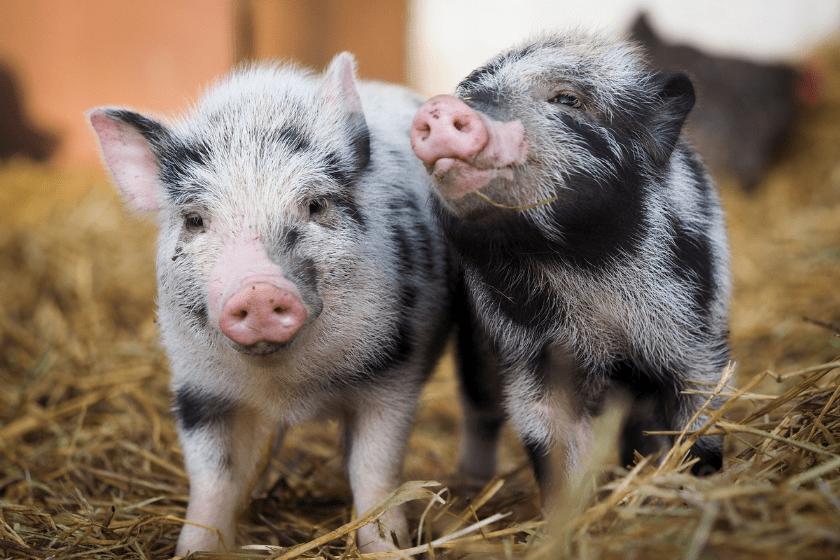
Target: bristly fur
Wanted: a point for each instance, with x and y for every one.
(624, 280)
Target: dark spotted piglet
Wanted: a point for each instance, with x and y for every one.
(300, 273)
(592, 243)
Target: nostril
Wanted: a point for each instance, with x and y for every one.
(459, 125)
(243, 313)
(278, 310)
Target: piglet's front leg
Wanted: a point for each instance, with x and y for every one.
(222, 443)
(377, 432)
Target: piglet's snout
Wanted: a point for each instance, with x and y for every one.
(446, 127)
(262, 312)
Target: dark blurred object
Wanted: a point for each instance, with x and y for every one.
(18, 136)
(745, 110)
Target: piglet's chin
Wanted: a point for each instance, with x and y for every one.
(455, 178)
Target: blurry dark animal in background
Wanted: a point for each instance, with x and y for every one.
(18, 136)
(745, 110)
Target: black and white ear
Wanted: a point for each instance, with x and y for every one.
(342, 96)
(674, 98)
(126, 140)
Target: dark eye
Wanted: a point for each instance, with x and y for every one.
(566, 99)
(317, 206)
(194, 223)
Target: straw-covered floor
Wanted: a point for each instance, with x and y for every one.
(90, 465)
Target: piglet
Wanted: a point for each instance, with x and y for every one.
(593, 248)
(300, 274)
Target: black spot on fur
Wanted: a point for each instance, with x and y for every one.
(692, 262)
(395, 352)
(473, 82)
(427, 249)
(476, 77)
(401, 343)
(405, 209)
(306, 272)
(701, 180)
(292, 136)
(291, 237)
(344, 176)
(600, 222)
(361, 145)
(499, 256)
(407, 298)
(176, 171)
(178, 162)
(196, 409)
(198, 311)
(187, 295)
(346, 204)
(336, 170)
(402, 250)
(473, 354)
(402, 202)
(589, 138)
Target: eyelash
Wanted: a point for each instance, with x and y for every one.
(566, 99)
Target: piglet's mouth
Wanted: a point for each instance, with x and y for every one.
(456, 178)
(261, 349)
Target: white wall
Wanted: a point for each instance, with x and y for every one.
(448, 38)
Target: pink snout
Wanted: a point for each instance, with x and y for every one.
(262, 312)
(446, 127)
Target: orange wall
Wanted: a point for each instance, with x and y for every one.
(155, 55)
(71, 55)
(313, 31)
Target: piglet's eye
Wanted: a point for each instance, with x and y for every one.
(567, 99)
(317, 206)
(194, 223)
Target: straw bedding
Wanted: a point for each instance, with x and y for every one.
(90, 465)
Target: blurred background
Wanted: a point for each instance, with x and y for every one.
(84, 401)
(59, 58)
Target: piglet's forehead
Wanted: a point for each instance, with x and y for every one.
(283, 162)
(557, 59)
(261, 108)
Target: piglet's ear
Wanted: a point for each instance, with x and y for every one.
(129, 155)
(674, 99)
(339, 85)
(339, 90)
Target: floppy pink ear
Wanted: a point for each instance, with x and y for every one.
(129, 157)
(339, 85)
